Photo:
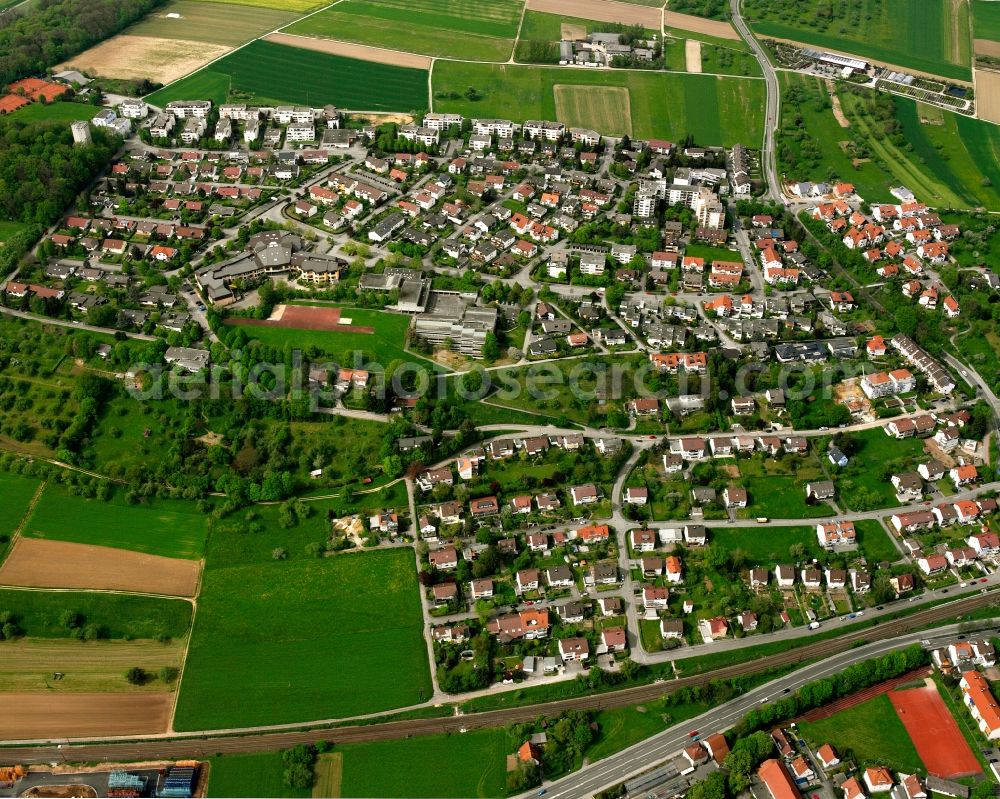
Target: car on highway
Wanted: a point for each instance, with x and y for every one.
(944, 590)
(880, 607)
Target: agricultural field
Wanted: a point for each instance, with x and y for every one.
(463, 29)
(948, 160)
(925, 35)
(29, 663)
(259, 774)
(870, 732)
(16, 491)
(51, 715)
(137, 57)
(304, 638)
(211, 22)
(171, 528)
(475, 766)
(986, 19)
(297, 6)
(276, 73)
(604, 108)
(725, 60)
(42, 614)
(719, 111)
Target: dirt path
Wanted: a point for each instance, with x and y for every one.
(838, 111)
(709, 27)
(692, 55)
(363, 52)
(27, 512)
(957, 32)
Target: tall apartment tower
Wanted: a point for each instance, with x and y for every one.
(81, 133)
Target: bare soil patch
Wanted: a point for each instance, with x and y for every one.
(572, 32)
(986, 47)
(692, 55)
(988, 94)
(40, 563)
(600, 10)
(61, 791)
(377, 118)
(838, 111)
(162, 60)
(29, 716)
(361, 51)
(304, 317)
(709, 27)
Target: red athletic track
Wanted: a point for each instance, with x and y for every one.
(863, 696)
(305, 317)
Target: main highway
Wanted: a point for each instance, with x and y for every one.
(834, 654)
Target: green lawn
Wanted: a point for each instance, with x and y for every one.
(260, 774)
(9, 228)
(277, 73)
(874, 541)
(864, 483)
(710, 253)
(281, 641)
(720, 111)
(782, 497)
(463, 29)
(458, 765)
(172, 528)
(765, 545)
(39, 613)
(16, 491)
(871, 732)
(55, 112)
(919, 34)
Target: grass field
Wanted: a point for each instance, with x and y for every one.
(29, 663)
(211, 22)
(604, 108)
(281, 641)
(766, 545)
(871, 732)
(40, 613)
(986, 19)
(55, 112)
(448, 28)
(9, 228)
(171, 528)
(624, 726)
(16, 491)
(920, 34)
(719, 111)
(276, 73)
(874, 541)
(259, 774)
(950, 161)
(445, 766)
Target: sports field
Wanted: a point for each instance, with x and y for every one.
(927, 35)
(172, 528)
(948, 160)
(719, 111)
(449, 28)
(277, 73)
(29, 663)
(871, 732)
(382, 346)
(466, 765)
(934, 732)
(214, 23)
(603, 108)
(290, 640)
(41, 614)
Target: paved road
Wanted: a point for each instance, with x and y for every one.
(640, 757)
(768, 159)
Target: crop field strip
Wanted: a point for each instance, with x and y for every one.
(457, 29)
(925, 35)
(211, 22)
(277, 73)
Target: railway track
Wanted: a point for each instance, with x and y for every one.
(261, 741)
